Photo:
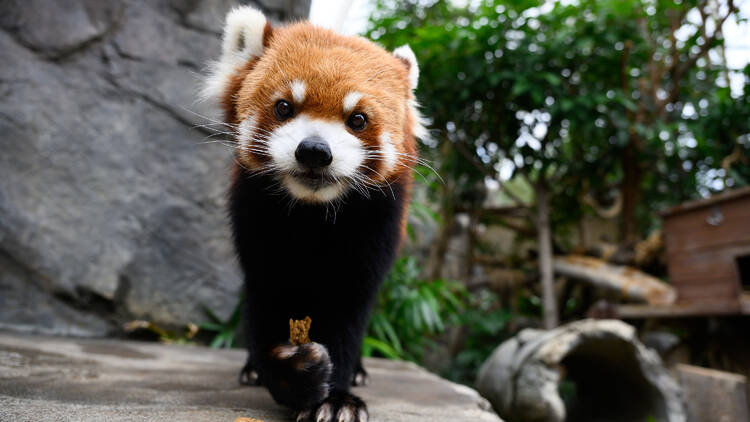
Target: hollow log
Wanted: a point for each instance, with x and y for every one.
(585, 371)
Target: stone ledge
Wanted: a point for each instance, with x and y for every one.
(47, 378)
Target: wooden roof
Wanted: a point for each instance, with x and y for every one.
(705, 202)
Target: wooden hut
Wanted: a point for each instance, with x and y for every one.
(708, 257)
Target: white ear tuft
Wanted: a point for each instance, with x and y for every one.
(243, 33)
(243, 39)
(405, 54)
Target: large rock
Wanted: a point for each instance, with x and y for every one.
(111, 206)
(48, 379)
(586, 371)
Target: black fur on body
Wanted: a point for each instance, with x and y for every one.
(307, 260)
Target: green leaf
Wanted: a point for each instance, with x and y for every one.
(376, 345)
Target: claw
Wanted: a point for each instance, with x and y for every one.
(303, 416)
(361, 379)
(324, 413)
(362, 415)
(345, 414)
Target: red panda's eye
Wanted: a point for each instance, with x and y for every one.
(283, 110)
(357, 121)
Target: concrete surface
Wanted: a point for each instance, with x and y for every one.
(714, 396)
(55, 379)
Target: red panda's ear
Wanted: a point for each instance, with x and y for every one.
(407, 56)
(247, 33)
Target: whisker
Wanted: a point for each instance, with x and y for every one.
(209, 118)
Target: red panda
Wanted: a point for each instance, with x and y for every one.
(325, 131)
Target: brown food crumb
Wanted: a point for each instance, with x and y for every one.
(298, 331)
(247, 420)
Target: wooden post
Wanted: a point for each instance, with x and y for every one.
(544, 240)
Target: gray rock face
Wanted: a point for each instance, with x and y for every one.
(586, 371)
(52, 379)
(112, 206)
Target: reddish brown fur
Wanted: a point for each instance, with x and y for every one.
(338, 293)
(331, 65)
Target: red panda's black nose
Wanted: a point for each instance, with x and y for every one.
(313, 152)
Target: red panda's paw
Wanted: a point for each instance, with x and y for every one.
(340, 406)
(304, 357)
(300, 375)
(248, 374)
(360, 378)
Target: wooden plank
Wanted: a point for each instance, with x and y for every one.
(706, 282)
(691, 230)
(677, 310)
(709, 292)
(707, 270)
(728, 252)
(727, 196)
(708, 265)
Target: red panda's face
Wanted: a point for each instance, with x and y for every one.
(323, 113)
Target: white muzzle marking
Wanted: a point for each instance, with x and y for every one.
(347, 152)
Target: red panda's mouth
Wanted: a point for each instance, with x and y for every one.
(313, 179)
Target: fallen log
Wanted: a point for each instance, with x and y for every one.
(630, 282)
(584, 371)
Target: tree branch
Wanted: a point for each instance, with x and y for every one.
(681, 69)
(485, 171)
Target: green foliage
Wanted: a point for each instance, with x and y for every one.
(225, 330)
(568, 391)
(588, 98)
(574, 95)
(485, 326)
(409, 310)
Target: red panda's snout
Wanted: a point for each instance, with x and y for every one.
(314, 159)
(323, 114)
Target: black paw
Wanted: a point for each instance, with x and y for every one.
(301, 375)
(340, 406)
(360, 377)
(248, 375)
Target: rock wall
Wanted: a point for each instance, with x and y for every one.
(111, 202)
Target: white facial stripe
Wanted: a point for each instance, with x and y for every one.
(246, 130)
(350, 100)
(390, 155)
(298, 91)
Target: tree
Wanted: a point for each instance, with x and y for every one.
(591, 99)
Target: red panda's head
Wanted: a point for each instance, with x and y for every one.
(322, 112)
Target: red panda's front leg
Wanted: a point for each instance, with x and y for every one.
(343, 340)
